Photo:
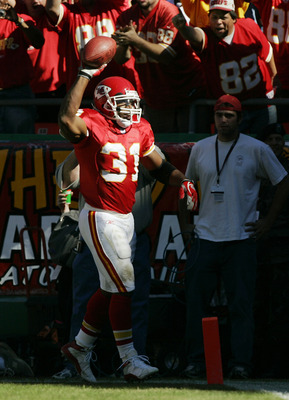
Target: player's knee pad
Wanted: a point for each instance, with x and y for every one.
(118, 241)
(122, 250)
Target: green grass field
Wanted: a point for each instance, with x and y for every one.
(123, 391)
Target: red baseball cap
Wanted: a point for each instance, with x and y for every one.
(228, 102)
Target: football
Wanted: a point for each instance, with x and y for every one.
(98, 51)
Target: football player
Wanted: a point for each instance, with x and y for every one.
(109, 141)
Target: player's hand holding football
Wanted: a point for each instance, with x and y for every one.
(187, 188)
(88, 72)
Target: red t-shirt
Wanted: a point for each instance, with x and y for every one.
(48, 62)
(164, 86)
(238, 68)
(108, 161)
(15, 65)
(275, 18)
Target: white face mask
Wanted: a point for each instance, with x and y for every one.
(118, 104)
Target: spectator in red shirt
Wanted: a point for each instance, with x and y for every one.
(48, 79)
(17, 34)
(170, 73)
(238, 60)
(79, 23)
(275, 15)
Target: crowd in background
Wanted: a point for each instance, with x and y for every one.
(169, 77)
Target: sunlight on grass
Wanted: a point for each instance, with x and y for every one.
(69, 392)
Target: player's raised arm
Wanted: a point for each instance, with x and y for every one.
(72, 127)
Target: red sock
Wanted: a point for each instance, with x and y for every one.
(96, 313)
(120, 318)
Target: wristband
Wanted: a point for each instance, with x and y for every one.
(84, 74)
(89, 73)
(187, 180)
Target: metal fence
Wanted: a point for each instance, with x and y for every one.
(193, 116)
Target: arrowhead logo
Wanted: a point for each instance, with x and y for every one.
(102, 90)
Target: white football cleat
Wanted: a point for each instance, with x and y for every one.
(80, 357)
(138, 368)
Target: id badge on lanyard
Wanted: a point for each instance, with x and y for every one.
(218, 193)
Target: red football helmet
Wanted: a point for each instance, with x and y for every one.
(117, 99)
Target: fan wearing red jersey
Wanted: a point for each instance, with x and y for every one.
(275, 18)
(237, 59)
(49, 73)
(170, 72)
(109, 141)
(79, 23)
(17, 34)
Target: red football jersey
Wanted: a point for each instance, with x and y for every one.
(15, 64)
(48, 62)
(80, 26)
(275, 18)
(164, 85)
(238, 68)
(109, 161)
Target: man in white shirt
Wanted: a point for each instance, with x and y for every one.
(229, 167)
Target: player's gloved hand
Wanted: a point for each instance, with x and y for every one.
(188, 188)
(89, 72)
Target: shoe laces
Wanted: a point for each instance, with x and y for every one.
(136, 358)
(90, 356)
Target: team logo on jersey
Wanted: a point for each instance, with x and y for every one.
(101, 90)
(239, 160)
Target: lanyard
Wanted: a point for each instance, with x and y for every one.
(226, 158)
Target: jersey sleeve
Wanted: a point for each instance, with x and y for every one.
(63, 15)
(148, 140)
(265, 48)
(83, 113)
